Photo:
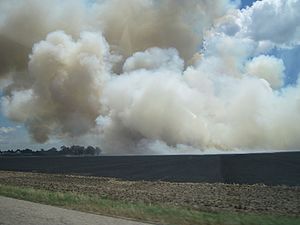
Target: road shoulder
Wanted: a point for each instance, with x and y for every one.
(15, 212)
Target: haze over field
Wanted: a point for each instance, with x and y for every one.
(147, 76)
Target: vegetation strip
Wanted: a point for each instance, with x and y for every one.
(141, 211)
(204, 197)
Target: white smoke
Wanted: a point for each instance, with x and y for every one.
(269, 68)
(154, 59)
(150, 76)
(272, 21)
(67, 77)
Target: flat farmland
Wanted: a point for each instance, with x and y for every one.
(205, 197)
(267, 168)
(259, 185)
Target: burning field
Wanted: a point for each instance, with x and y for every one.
(161, 78)
(183, 189)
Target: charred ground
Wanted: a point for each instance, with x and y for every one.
(268, 168)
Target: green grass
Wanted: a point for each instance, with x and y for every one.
(139, 211)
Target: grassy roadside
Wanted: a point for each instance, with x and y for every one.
(139, 211)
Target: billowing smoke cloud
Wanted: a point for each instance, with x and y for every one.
(270, 21)
(136, 25)
(130, 26)
(67, 77)
(269, 68)
(150, 76)
(23, 23)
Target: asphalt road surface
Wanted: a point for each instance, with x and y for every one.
(16, 212)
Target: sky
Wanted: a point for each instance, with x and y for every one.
(245, 3)
(282, 56)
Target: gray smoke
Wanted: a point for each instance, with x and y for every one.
(148, 76)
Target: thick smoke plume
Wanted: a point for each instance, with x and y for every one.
(144, 76)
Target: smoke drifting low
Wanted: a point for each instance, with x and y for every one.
(144, 76)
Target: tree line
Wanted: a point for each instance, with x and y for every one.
(74, 150)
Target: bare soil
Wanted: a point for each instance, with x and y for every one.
(218, 197)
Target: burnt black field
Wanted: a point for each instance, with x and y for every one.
(266, 168)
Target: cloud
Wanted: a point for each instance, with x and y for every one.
(67, 78)
(152, 76)
(6, 130)
(276, 21)
(130, 26)
(269, 68)
(24, 23)
(153, 59)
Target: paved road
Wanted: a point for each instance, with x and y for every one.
(16, 212)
